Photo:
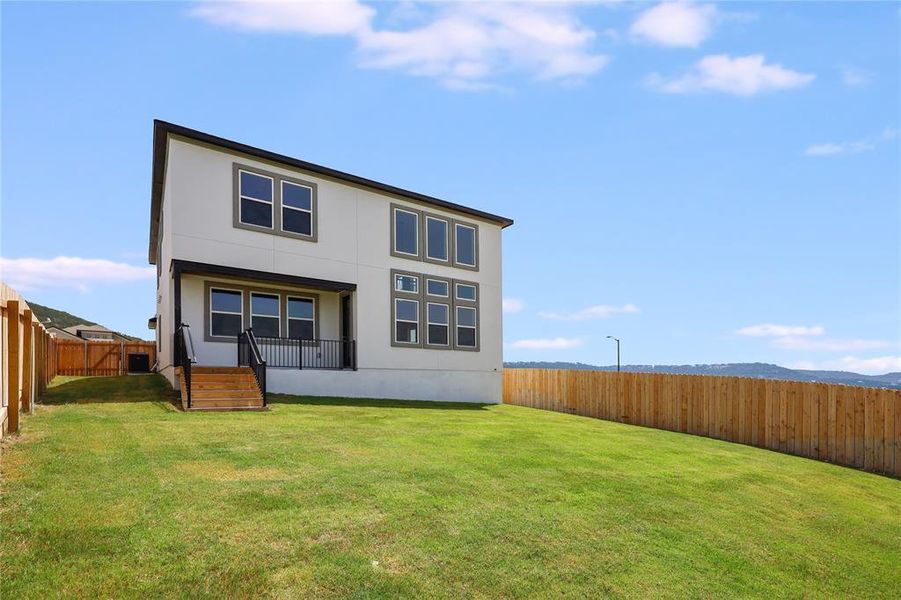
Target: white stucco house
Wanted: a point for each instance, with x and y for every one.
(341, 285)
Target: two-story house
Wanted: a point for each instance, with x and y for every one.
(279, 275)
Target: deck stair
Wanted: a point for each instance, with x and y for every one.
(221, 388)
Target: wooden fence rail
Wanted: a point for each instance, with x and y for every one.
(847, 425)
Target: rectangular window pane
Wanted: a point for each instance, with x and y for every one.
(300, 308)
(297, 196)
(438, 334)
(265, 326)
(406, 232)
(261, 304)
(300, 329)
(225, 325)
(256, 213)
(465, 245)
(297, 221)
(256, 186)
(466, 317)
(407, 332)
(466, 292)
(406, 283)
(226, 301)
(436, 288)
(466, 336)
(438, 314)
(436, 239)
(407, 310)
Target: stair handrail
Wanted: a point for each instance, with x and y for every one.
(184, 356)
(249, 355)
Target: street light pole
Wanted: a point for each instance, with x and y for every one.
(610, 337)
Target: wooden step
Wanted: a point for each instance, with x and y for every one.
(222, 388)
(224, 385)
(220, 370)
(226, 402)
(197, 394)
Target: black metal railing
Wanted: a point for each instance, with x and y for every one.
(184, 356)
(249, 356)
(309, 353)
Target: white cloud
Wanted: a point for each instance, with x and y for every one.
(772, 330)
(740, 76)
(870, 366)
(598, 311)
(675, 24)
(559, 343)
(853, 76)
(465, 46)
(513, 305)
(828, 344)
(853, 147)
(68, 272)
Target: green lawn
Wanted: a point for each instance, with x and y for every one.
(112, 492)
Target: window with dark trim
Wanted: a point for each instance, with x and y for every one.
(406, 321)
(406, 232)
(467, 323)
(425, 309)
(466, 292)
(297, 208)
(437, 287)
(438, 324)
(265, 314)
(226, 312)
(465, 245)
(434, 238)
(301, 318)
(255, 197)
(437, 244)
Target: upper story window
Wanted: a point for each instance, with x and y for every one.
(406, 232)
(297, 208)
(255, 194)
(419, 235)
(275, 203)
(466, 291)
(226, 312)
(406, 283)
(437, 245)
(437, 287)
(465, 245)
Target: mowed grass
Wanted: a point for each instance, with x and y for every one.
(112, 492)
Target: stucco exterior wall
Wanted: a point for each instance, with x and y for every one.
(353, 246)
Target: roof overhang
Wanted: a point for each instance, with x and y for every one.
(186, 267)
(162, 130)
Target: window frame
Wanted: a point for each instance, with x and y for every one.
(209, 335)
(475, 328)
(395, 320)
(249, 288)
(417, 277)
(395, 208)
(396, 295)
(428, 323)
(296, 296)
(473, 285)
(277, 206)
(241, 197)
(278, 302)
(448, 247)
(283, 207)
(446, 282)
(475, 242)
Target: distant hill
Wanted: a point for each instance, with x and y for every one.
(62, 319)
(58, 318)
(759, 370)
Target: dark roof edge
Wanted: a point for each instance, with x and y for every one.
(162, 129)
(198, 268)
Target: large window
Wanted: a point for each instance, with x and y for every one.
(406, 232)
(281, 205)
(465, 245)
(438, 316)
(297, 208)
(301, 318)
(406, 321)
(437, 246)
(255, 197)
(264, 315)
(428, 311)
(226, 310)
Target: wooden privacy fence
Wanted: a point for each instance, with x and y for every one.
(27, 359)
(98, 358)
(847, 425)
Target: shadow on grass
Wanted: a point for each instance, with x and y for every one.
(105, 390)
(371, 402)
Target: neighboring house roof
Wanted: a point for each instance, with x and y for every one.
(162, 130)
(61, 333)
(74, 329)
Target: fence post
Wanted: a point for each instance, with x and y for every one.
(12, 366)
(85, 358)
(27, 360)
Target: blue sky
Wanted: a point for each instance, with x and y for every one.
(708, 182)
